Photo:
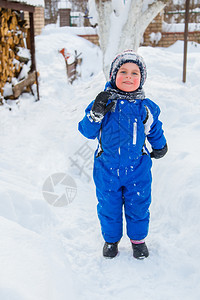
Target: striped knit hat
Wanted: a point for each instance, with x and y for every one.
(126, 57)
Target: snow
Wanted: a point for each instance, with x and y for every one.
(155, 37)
(55, 253)
(180, 27)
(117, 6)
(92, 12)
(68, 29)
(181, 2)
(31, 2)
(146, 3)
(64, 4)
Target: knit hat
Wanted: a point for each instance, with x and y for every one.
(126, 57)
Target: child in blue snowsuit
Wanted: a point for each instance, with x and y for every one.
(122, 118)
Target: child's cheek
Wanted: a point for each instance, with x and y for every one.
(119, 78)
(136, 81)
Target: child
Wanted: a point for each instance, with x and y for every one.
(122, 118)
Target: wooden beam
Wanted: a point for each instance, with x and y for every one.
(16, 5)
(19, 87)
(32, 40)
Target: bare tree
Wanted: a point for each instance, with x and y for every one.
(79, 5)
(51, 11)
(175, 13)
(122, 24)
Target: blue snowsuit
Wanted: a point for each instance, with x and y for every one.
(122, 165)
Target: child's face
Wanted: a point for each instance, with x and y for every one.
(128, 77)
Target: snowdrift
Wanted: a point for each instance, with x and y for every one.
(56, 253)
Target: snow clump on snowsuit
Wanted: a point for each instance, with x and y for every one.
(127, 56)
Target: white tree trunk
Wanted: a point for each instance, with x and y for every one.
(123, 28)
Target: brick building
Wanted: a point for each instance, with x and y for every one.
(39, 22)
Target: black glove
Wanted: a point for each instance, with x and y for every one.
(99, 108)
(158, 153)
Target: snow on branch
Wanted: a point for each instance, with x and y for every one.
(152, 11)
(104, 10)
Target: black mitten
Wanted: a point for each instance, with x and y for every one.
(100, 107)
(158, 153)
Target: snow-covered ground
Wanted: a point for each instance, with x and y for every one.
(55, 253)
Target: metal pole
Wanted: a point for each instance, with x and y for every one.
(187, 4)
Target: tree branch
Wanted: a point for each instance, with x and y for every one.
(104, 9)
(129, 37)
(152, 11)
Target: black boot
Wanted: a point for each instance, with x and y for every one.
(140, 251)
(110, 250)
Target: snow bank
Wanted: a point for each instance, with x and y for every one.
(56, 253)
(54, 39)
(31, 267)
(31, 2)
(53, 28)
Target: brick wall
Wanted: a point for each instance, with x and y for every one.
(155, 26)
(169, 38)
(38, 19)
(166, 39)
(91, 37)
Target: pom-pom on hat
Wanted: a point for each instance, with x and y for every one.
(126, 57)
